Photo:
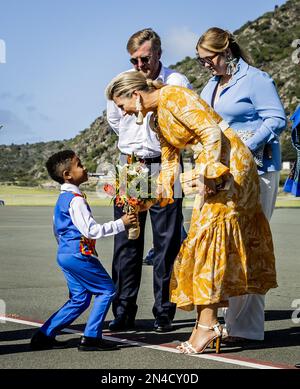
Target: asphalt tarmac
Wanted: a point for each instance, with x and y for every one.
(32, 288)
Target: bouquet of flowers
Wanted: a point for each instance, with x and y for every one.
(133, 190)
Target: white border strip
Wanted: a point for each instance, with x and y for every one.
(154, 347)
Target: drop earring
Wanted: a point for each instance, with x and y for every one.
(140, 116)
(231, 63)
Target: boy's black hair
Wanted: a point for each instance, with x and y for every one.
(58, 163)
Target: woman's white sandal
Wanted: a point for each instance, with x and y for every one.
(190, 349)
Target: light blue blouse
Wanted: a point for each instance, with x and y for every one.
(250, 102)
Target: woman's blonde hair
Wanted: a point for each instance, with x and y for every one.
(128, 82)
(217, 40)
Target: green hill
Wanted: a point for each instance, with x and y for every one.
(268, 41)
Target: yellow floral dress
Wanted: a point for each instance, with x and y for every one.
(229, 249)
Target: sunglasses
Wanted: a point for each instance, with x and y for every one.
(208, 59)
(144, 60)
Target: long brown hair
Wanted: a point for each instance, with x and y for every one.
(218, 40)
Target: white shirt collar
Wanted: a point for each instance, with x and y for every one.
(70, 188)
(162, 75)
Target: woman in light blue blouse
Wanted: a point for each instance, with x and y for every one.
(247, 99)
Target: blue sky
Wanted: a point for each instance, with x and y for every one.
(60, 54)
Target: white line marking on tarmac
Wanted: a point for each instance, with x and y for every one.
(215, 358)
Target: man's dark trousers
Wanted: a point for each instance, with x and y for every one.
(128, 260)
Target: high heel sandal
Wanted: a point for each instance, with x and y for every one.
(189, 349)
(186, 343)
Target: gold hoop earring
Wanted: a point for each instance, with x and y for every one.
(139, 107)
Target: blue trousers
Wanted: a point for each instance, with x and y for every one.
(85, 277)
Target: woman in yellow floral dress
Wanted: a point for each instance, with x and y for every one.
(229, 248)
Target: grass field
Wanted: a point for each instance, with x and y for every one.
(27, 196)
(22, 196)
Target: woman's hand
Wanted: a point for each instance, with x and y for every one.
(209, 187)
(163, 196)
(147, 205)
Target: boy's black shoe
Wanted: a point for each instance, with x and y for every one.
(40, 341)
(121, 323)
(95, 344)
(162, 324)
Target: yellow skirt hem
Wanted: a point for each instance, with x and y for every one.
(189, 305)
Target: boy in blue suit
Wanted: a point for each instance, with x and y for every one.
(76, 232)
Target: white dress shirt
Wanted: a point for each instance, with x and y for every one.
(84, 221)
(140, 139)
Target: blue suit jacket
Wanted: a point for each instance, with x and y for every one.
(250, 102)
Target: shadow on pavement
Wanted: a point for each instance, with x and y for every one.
(278, 315)
(6, 336)
(289, 337)
(24, 347)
